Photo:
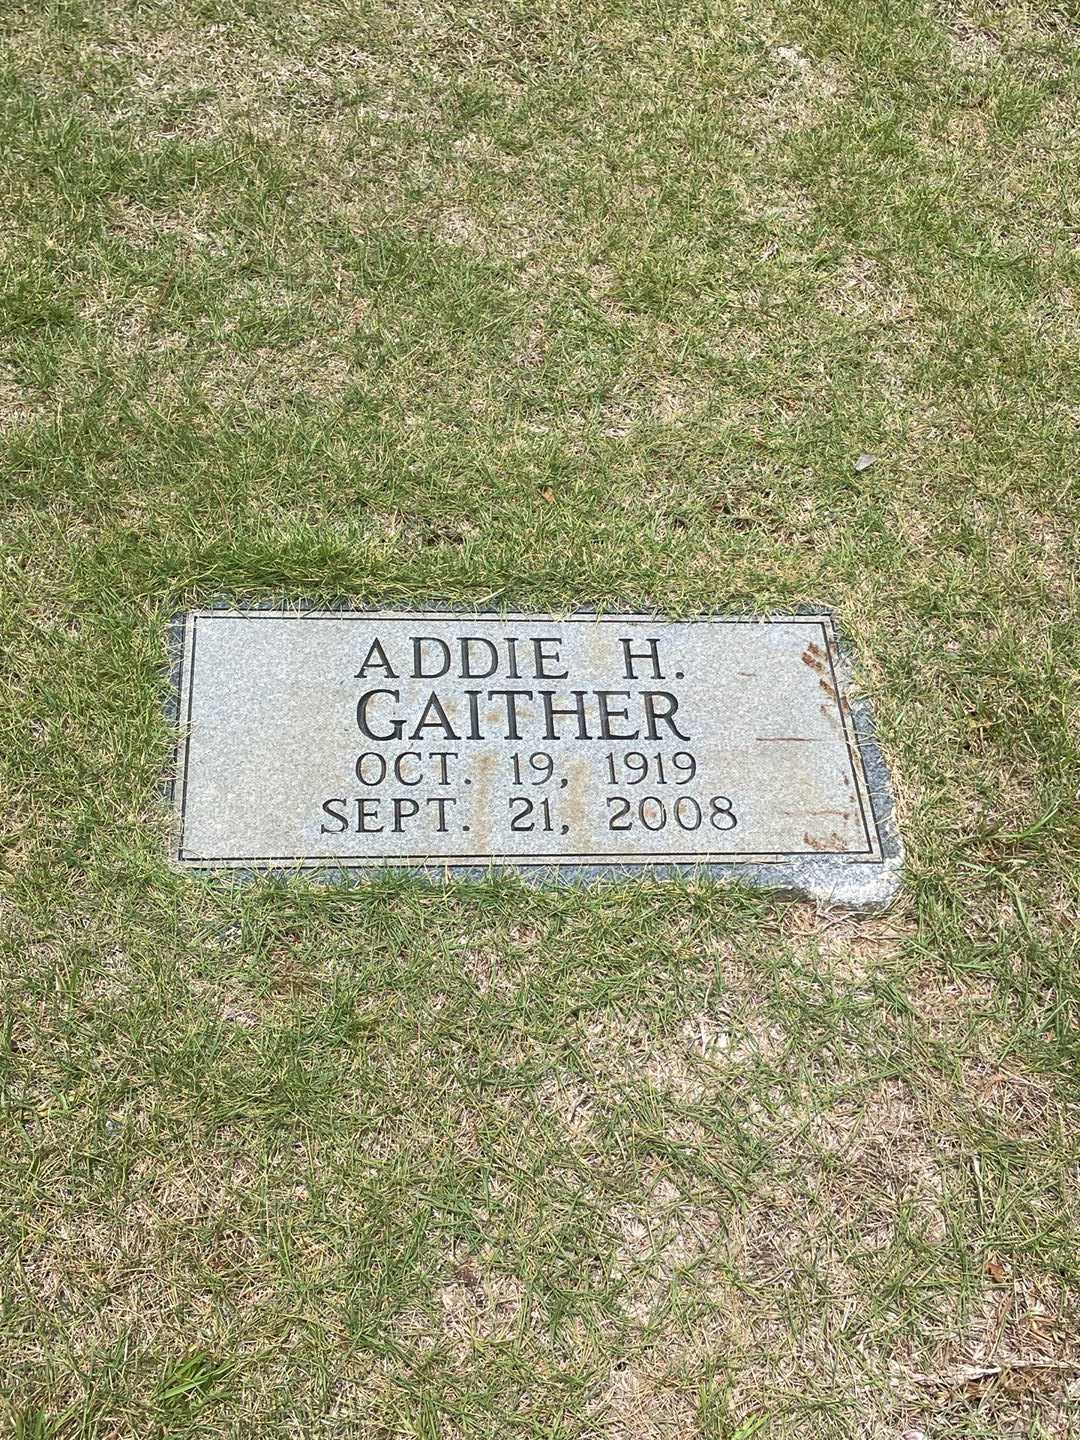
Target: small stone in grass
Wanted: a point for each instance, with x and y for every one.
(864, 462)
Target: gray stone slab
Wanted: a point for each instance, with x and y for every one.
(566, 748)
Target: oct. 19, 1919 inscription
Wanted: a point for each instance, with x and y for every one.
(563, 747)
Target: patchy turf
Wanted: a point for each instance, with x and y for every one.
(554, 305)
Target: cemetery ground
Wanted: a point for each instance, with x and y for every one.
(542, 306)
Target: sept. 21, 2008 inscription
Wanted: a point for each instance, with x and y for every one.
(361, 739)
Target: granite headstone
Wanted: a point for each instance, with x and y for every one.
(565, 748)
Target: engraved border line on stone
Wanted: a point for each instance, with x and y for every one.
(635, 857)
(632, 860)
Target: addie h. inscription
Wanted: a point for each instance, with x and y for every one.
(337, 740)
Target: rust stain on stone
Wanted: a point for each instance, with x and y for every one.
(572, 799)
(831, 842)
(483, 774)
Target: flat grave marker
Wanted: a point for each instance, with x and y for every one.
(564, 748)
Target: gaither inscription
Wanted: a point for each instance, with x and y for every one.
(562, 747)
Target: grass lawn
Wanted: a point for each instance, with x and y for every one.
(544, 305)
